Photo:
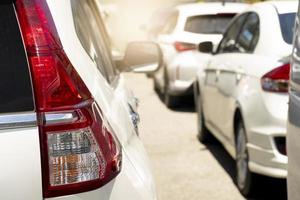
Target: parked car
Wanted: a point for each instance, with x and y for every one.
(293, 136)
(187, 26)
(242, 97)
(65, 126)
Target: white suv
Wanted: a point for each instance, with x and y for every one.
(65, 126)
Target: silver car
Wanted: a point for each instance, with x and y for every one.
(293, 131)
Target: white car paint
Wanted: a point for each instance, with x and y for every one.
(231, 82)
(21, 168)
(136, 177)
(183, 63)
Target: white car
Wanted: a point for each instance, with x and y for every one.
(187, 26)
(242, 96)
(65, 130)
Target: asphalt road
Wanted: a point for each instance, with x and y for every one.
(185, 169)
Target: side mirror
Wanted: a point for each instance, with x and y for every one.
(206, 47)
(141, 57)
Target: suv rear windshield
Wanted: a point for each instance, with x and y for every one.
(208, 24)
(15, 83)
(287, 22)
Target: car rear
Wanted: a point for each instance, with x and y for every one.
(56, 139)
(267, 132)
(196, 23)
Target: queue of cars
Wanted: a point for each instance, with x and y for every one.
(241, 86)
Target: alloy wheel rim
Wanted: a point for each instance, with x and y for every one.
(242, 159)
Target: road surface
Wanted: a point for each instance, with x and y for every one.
(184, 169)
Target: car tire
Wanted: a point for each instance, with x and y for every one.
(245, 179)
(170, 101)
(203, 134)
(155, 86)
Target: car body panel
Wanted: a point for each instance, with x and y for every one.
(113, 101)
(21, 173)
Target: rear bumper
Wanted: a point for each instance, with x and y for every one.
(265, 158)
(267, 135)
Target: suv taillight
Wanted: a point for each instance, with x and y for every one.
(79, 151)
(277, 80)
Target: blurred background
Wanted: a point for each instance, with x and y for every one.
(127, 19)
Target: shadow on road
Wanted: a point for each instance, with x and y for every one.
(269, 188)
(185, 103)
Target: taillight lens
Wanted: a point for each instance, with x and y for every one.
(277, 80)
(39, 32)
(79, 150)
(80, 154)
(183, 46)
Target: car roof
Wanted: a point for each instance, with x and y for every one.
(286, 6)
(210, 8)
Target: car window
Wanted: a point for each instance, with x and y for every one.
(287, 22)
(228, 43)
(171, 23)
(208, 24)
(249, 34)
(93, 36)
(15, 85)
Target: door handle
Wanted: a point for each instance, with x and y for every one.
(239, 74)
(217, 75)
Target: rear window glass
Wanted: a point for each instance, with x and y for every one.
(15, 83)
(208, 24)
(287, 22)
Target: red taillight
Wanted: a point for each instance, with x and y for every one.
(79, 151)
(277, 80)
(183, 46)
(38, 31)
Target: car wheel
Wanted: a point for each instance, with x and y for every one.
(170, 101)
(244, 177)
(203, 135)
